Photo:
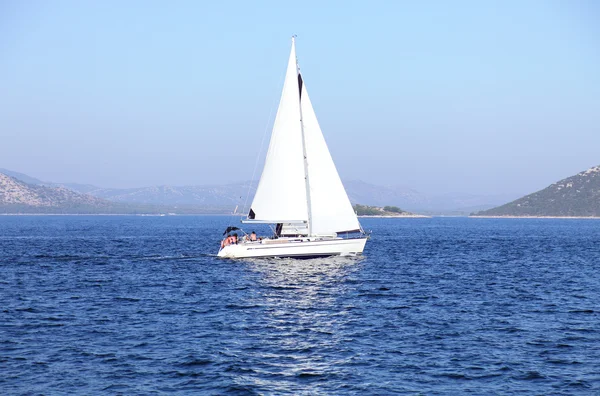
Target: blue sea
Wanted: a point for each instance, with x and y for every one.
(441, 306)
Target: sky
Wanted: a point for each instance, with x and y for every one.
(482, 97)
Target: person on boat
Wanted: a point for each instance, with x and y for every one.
(253, 236)
(234, 239)
(225, 242)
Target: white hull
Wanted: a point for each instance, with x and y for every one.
(295, 247)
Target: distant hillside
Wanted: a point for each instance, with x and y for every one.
(21, 176)
(185, 199)
(414, 201)
(370, 194)
(575, 196)
(224, 198)
(17, 196)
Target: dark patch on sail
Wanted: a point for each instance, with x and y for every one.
(251, 215)
(300, 84)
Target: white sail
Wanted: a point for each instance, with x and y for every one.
(299, 188)
(331, 209)
(292, 190)
(281, 193)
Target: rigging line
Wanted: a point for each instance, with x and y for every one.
(262, 143)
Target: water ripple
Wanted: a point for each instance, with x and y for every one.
(141, 305)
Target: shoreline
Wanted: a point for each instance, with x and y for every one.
(536, 217)
(186, 214)
(413, 216)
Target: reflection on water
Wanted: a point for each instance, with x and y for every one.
(286, 271)
(142, 306)
(303, 312)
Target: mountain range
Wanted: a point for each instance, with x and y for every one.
(34, 196)
(18, 196)
(224, 198)
(575, 196)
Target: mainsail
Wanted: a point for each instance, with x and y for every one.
(295, 188)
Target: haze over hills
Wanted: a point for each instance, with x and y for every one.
(21, 176)
(18, 196)
(227, 197)
(575, 196)
(415, 201)
(224, 198)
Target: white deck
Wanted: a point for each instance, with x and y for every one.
(295, 247)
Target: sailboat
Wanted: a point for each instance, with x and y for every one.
(300, 190)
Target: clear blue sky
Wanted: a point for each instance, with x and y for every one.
(463, 96)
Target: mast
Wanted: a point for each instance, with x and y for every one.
(306, 179)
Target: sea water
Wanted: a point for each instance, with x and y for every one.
(141, 305)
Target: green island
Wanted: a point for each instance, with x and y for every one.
(386, 211)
